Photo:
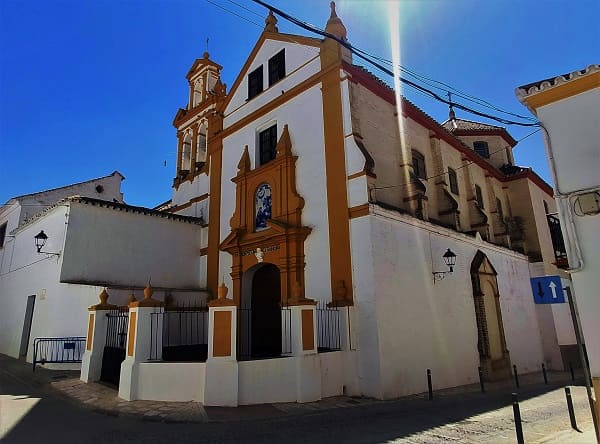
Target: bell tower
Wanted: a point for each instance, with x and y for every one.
(203, 77)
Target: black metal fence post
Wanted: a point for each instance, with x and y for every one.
(572, 371)
(481, 382)
(570, 407)
(516, 375)
(429, 385)
(545, 374)
(517, 415)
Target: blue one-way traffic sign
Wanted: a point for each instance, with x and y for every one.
(547, 290)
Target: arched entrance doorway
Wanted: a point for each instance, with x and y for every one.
(491, 343)
(260, 334)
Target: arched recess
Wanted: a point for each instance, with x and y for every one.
(491, 342)
(186, 153)
(201, 144)
(260, 321)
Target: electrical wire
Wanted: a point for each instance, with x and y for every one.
(364, 56)
(458, 168)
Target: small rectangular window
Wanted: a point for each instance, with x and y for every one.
(419, 164)
(500, 210)
(255, 82)
(3, 234)
(267, 142)
(277, 67)
(482, 149)
(479, 196)
(453, 180)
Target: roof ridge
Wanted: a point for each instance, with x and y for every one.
(64, 186)
(550, 82)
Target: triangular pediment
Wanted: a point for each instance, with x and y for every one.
(249, 65)
(199, 64)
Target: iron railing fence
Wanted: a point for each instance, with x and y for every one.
(264, 333)
(58, 350)
(117, 326)
(179, 333)
(328, 327)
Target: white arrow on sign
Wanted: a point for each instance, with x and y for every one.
(552, 286)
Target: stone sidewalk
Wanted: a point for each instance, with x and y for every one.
(100, 398)
(104, 399)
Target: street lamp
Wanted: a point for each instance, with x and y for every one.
(40, 241)
(450, 260)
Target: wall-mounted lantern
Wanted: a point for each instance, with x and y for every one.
(40, 241)
(450, 260)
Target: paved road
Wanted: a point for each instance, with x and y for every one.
(465, 418)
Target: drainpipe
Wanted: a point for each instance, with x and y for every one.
(564, 210)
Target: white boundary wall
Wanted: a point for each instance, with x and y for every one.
(407, 323)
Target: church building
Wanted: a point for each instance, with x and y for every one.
(350, 243)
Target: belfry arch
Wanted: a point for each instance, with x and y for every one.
(491, 342)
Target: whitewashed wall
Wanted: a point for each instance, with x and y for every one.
(60, 309)
(574, 128)
(300, 63)
(129, 248)
(304, 116)
(412, 324)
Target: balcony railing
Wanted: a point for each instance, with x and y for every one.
(558, 243)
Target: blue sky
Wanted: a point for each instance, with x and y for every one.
(89, 87)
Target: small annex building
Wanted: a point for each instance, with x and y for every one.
(94, 243)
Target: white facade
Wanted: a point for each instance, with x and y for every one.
(568, 107)
(91, 244)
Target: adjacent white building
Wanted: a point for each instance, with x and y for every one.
(568, 106)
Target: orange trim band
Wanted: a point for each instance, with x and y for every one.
(308, 330)
(358, 211)
(90, 333)
(222, 334)
(131, 339)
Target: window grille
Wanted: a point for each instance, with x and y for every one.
(277, 67)
(267, 141)
(255, 82)
(452, 178)
(482, 149)
(479, 196)
(419, 165)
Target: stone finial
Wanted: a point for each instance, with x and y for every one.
(222, 291)
(284, 145)
(148, 291)
(103, 305)
(205, 56)
(147, 301)
(298, 298)
(131, 298)
(103, 297)
(244, 163)
(271, 23)
(335, 26)
(220, 88)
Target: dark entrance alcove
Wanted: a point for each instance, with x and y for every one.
(261, 314)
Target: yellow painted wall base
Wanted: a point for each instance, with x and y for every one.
(596, 386)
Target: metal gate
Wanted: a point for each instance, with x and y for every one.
(114, 348)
